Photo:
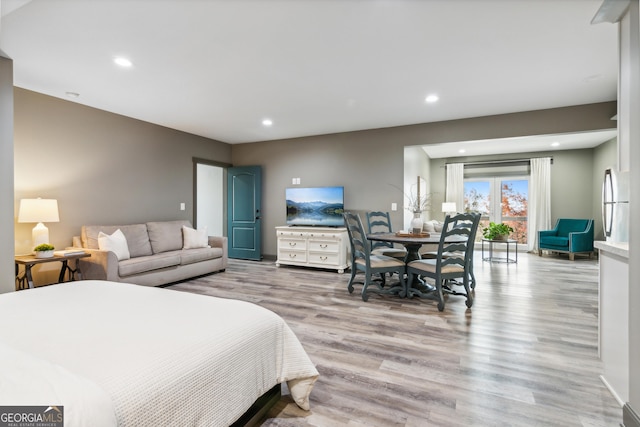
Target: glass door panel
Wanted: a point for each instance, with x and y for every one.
(499, 200)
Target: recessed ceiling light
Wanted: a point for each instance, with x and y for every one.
(123, 62)
(431, 98)
(72, 94)
(555, 144)
(267, 122)
(462, 150)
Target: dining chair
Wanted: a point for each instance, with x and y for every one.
(434, 254)
(380, 222)
(453, 259)
(363, 261)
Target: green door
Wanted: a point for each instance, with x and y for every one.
(244, 224)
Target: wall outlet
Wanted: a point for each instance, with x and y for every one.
(394, 206)
(182, 206)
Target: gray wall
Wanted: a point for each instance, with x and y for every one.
(367, 162)
(604, 156)
(6, 174)
(103, 168)
(109, 169)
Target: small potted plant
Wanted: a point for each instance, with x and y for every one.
(497, 231)
(44, 250)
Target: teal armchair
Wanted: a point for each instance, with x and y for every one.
(571, 236)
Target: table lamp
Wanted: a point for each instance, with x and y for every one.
(39, 210)
(449, 207)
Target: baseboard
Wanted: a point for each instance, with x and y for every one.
(630, 417)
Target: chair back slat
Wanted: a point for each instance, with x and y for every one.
(379, 222)
(357, 237)
(462, 226)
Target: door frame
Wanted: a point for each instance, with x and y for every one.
(199, 160)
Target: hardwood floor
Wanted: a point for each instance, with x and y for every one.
(525, 354)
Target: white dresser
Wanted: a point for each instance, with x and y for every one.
(318, 247)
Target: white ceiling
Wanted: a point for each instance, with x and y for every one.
(218, 68)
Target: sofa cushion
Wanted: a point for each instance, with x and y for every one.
(148, 263)
(166, 235)
(115, 243)
(136, 235)
(191, 256)
(193, 239)
(555, 241)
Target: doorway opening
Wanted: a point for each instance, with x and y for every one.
(210, 196)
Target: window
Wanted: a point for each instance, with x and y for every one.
(499, 199)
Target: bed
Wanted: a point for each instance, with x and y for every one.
(120, 354)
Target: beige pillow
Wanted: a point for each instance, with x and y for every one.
(428, 227)
(194, 238)
(115, 243)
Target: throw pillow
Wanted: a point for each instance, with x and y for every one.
(194, 238)
(116, 243)
(429, 227)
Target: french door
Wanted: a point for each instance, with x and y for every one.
(499, 199)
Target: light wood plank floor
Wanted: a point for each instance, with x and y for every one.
(525, 354)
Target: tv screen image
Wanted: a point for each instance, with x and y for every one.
(319, 206)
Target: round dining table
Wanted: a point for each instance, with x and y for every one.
(413, 242)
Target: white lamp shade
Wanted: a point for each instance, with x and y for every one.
(38, 210)
(449, 207)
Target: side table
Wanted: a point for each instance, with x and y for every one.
(25, 280)
(506, 259)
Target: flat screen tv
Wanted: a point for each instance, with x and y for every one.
(315, 206)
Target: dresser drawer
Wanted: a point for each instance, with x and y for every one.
(292, 256)
(323, 258)
(292, 244)
(324, 246)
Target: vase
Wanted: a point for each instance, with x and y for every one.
(44, 254)
(416, 223)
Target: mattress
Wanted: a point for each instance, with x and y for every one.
(116, 353)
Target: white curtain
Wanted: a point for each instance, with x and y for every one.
(455, 185)
(539, 215)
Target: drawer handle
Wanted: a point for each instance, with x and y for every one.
(292, 243)
(324, 246)
(292, 255)
(323, 258)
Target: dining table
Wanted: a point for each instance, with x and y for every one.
(413, 242)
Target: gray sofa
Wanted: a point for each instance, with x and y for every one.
(157, 254)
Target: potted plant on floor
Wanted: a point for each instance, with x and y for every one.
(497, 231)
(44, 250)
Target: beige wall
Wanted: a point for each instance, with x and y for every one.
(103, 168)
(367, 163)
(6, 174)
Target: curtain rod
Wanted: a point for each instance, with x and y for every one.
(496, 162)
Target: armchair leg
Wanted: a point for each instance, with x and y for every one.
(539, 252)
(571, 256)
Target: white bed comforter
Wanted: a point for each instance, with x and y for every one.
(150, 356)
